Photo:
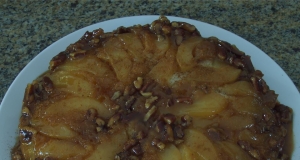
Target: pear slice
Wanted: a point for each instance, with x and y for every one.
(74, 84)
(188, 154)
(28, 150)
(133, 45)
(215, 72)
(79, 104)
(84, 64)
(184, 56)
(156, 46)
(239, 88)
(200, 144)
(206, 106)
(55, 130)
(247, 105)
(171, 152)
(163, 71)
(110, 145)
(118, 58)
(60, 149)
(233, 151)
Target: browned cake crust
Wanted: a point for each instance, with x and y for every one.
(158, 91)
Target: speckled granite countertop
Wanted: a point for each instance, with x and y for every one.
(29, 27)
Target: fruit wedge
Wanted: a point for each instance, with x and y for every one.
(171, 152)
(184, 56)
(239, 88)
(199, 143)
(206, 106)
(79, 104)
(110, 145)
(188, 154)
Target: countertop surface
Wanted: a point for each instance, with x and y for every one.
(26, 28)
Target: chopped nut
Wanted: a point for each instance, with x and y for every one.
(161, 145)
(113, 120)
(141, 135)
(186, 120)
(29, 95)
(25, 111)
(147, 86)
(47, 84)
(166, 29)
(175, 24)
(150, 113)
(239, 63)
(178, 141)
(254, 153)
(164, 19)
(231, 48)
(186, 100)
(116, 95)
(130, 143)
(96, 40)
(222, 54)
(154, 142)
(138, 82)
(146, 94)
(78, 53)
(130, 101)
(169, 133)
(170, 102)
(178, 132)
(169, 118)
(159, 127)
(91, 114)
(117, 157)
(57, 60)
(150, 100)
(137, 149)
(188, 27)
(100, 122)
(38, 89)
(98, 129)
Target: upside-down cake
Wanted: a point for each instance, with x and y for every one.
(157, 91)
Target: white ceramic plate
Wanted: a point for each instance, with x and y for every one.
(275, 77)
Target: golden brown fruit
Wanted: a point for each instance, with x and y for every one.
(158, 91)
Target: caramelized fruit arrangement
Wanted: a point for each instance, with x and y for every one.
(158, 91)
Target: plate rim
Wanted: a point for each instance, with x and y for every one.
(147, 18)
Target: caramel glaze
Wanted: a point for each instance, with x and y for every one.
(133, 84)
